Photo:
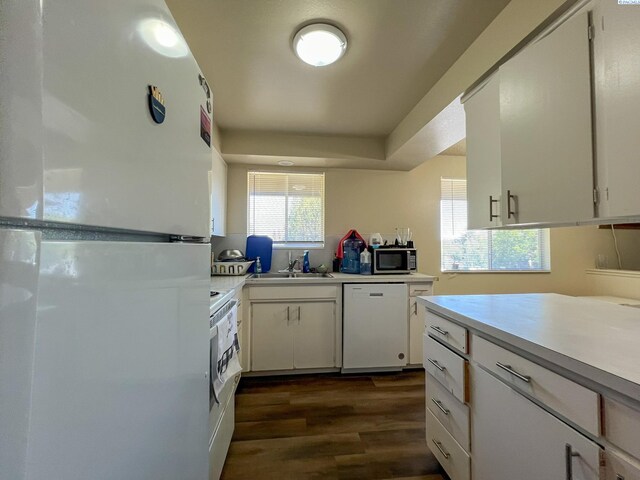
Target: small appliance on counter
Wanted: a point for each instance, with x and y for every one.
(393, 259)
(375, 240)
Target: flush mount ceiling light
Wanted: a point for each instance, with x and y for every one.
(319, 44)
(285, 163)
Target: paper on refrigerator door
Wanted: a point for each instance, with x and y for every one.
(228, 364)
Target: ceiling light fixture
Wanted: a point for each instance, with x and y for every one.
(285, 163)
(319, 44)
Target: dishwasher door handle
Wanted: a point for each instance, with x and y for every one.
(376, 294)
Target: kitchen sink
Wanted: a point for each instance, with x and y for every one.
(291, 275)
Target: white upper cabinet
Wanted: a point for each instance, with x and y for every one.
(617, 93)
(484, 185)
(218, 195)
(545, 129)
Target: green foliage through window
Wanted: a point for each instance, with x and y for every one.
(485, 250)
(288, 207)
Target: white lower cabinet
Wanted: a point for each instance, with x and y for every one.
(449, 453)
(620, 467)
(416, 320)
(293, 335)
(512, 438)
(450, 412)
(416, 330)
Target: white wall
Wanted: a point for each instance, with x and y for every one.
(379, 201)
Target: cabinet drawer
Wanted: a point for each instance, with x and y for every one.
(447, 451)
(445, 366)
(446, 331)
(293, 292)
(420, 289)
(575, 402)
(451, 413)
(619, 468)
(622, 426)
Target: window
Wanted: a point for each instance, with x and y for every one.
(485, 250)
(288, 207)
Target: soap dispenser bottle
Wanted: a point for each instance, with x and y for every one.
(306, 268)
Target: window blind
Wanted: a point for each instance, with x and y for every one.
(288, 207)
(485, 250)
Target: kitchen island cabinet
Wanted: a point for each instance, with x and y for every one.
(553, 385)
(514, 438)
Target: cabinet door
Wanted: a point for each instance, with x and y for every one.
(315, 334)
(513, 438)
(218, 195)
(617, 93)
(271, 336)
(482, 112)
(416, 330)
(545, 129)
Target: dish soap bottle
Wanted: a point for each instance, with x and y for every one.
(258, 265)
(306, 267)
(365, 262)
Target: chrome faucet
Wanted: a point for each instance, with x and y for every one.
(292, 264)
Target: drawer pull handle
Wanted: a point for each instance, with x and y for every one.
(438, 445)
(507, 368)
(440, 406)
(568, 458)
(619, 477)
(439, 330)
(436, 364)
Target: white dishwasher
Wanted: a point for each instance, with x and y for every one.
(375, 326)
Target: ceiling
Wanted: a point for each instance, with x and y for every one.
(397, 50)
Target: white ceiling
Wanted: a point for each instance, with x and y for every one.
(398, 49)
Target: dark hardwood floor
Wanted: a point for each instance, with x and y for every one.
(331, 427)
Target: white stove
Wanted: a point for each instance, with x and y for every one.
(221, 409)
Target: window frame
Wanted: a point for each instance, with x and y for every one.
(311, 245)
(543, 239)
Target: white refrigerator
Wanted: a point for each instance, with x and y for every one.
(104, 273)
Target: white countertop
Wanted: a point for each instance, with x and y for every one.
(596, 340)
(224, 283)
(345, 278)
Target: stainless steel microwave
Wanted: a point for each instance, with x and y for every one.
(393, 260)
